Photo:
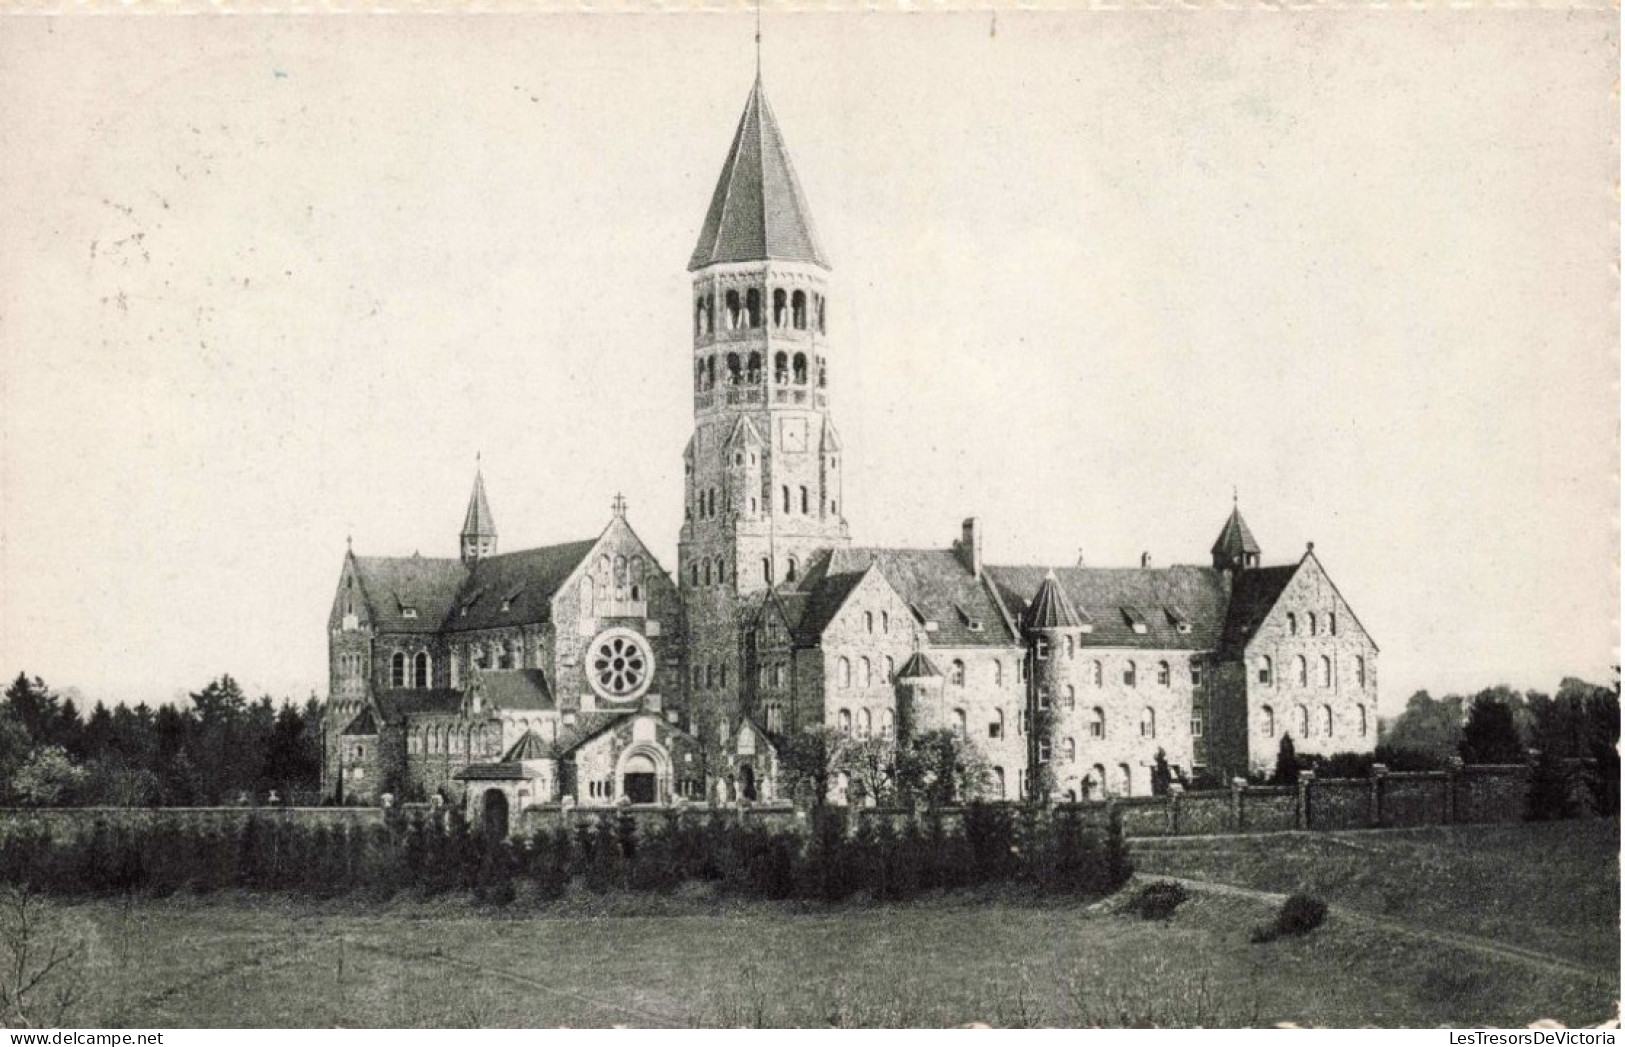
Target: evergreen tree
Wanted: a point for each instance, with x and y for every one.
(1286, 763)
(1162, 775)
(1491, 732)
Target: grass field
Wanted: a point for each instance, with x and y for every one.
(694, 959)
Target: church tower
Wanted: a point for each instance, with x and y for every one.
(762, 471)
(479, 537)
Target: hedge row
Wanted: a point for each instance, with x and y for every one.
(828, 859)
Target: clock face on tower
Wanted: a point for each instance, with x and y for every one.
(620, 665)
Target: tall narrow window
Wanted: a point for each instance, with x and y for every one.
(798, 310)
(843, 672)
(1041, 647)
(843, 721)
(1128, 674)
(958, 673)
(1266, 669)
(865, 672)
(891, 669)
(1097, 723)
(1071, 697)
(1359, 670)
(868, 621)
(1291, 623)
(734, 312)
(1267, 716)
(959, 722)
(753, 307)
(1326, 720)
(780, 312)
(1300, 665)
(1325, 671)
(781, 368)
(784, 497)
(1097, 673)
(1364, 726)
(1148, 723)
(885, 622)
(767, 570)
(1303, 721)
(866, 723)
(1164, 674)
(753, 369)
(806, 506)
(1312, 629)
(420, 671)
(397, 670)
(1331, 622)
(1198, 721)
(799, 369)
(998, 673)
(1071, 750)
(791, 569)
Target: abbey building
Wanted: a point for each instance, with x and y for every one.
(586, 671)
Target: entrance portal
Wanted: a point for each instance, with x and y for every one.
(494, 814)
(638, 780)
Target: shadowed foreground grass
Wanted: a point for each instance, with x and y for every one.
(694, 959)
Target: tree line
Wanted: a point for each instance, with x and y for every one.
(222, 748)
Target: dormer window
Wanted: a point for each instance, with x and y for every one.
(409, 612)
(507, 605)
(1135, 620)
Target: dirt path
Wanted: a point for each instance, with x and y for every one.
(1484, 946)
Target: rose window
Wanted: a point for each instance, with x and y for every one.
(620, 665)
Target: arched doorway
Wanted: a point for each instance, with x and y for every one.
(494, 814)
(639, 779)
(747, 782)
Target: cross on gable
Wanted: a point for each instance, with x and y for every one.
(618, 506)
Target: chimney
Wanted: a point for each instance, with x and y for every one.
(1145, 560)
(969, 547)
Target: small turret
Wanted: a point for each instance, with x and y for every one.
(479, 537)
(1235, 549)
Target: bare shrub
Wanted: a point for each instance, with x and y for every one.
(44, 956)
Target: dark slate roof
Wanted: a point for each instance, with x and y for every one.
(917, 665)
(515, 688)
(587, 727)
(1112, 599)
(493, 772)
(529, 747)
(757, 211)
(1253, 593)
(393, 584)
(939, 588)
(399, 704)
(479, 523)
(1051, 607)
(364, 725)
(809, 610)
(526, 580)
(1236, 538)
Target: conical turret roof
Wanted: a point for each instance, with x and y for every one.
(918, 665)
(1052, 608)
(757, 211)
(1236, 538)
(529, 747)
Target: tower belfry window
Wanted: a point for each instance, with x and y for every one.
(781, 368)
(800, 367)
(753, 369)
(753, 307)
(779, 311)
(798, 310)
(734, 314)
(733, 368)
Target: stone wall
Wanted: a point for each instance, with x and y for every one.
(72, 823)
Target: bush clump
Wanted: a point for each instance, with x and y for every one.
(1299, 915)
(1157, 901)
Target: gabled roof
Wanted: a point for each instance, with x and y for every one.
(939, 588)
(515, 689)
(1236, 538)
(1111, 600)
(1253, 593)
(527, 579)
(809, 610)
(479, 523)
(364, 725)
(529, 747)
(394, 585)
(1051, 607)
(587, 727)
(917, 665)
(757, 211)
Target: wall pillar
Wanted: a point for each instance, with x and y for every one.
(1238, 788)
(1378, 773)
(1452, 781)
(1175, 793)
(1306, 782)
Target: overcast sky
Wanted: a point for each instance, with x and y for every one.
(268, 283)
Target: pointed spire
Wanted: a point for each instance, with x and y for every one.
(1235, 546)
(479, 535)
(757, 211)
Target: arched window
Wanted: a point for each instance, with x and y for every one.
(1097, 674)
(959, 722)
(1071, 751)
(1071, 697)
(1125, 779)
(781, 368)
(998, 673)
(957, 673)
(798, 368)
(1148, 722)
(790, 569)
(1292, 623)
(705, 574)
(1164, 676)
(784, 497)
(699, 376)
(843, 721)
(1268, 716)
(868, 621)
(1303, 721)
(1300, 666)
(1312, 625)
(798, 310)
(1331, 622)
(1128, 674)
(780, 311)
(730, 304)
(767, 570)
(693, 574)
(753, 369)
(865, 672)
(722, 675)
(1363, 724)
(735, 372)
(1326, 720)
(998, 783)
(806, 506)
(866, 723)
(722, 571)
(1266, 669)
(888, 723)
(891, 669)
(1325, 670)
(820, 314)
(843, 672)
(699, 317)
(710, 372)
(885, 622)
(420, 671)
(995, 727)
(753, 307)
(397, 670)
(1097, 723)
(1359, 670)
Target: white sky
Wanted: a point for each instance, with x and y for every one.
(266, 282)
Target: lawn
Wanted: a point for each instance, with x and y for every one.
(1552, 887)
(694, 958)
